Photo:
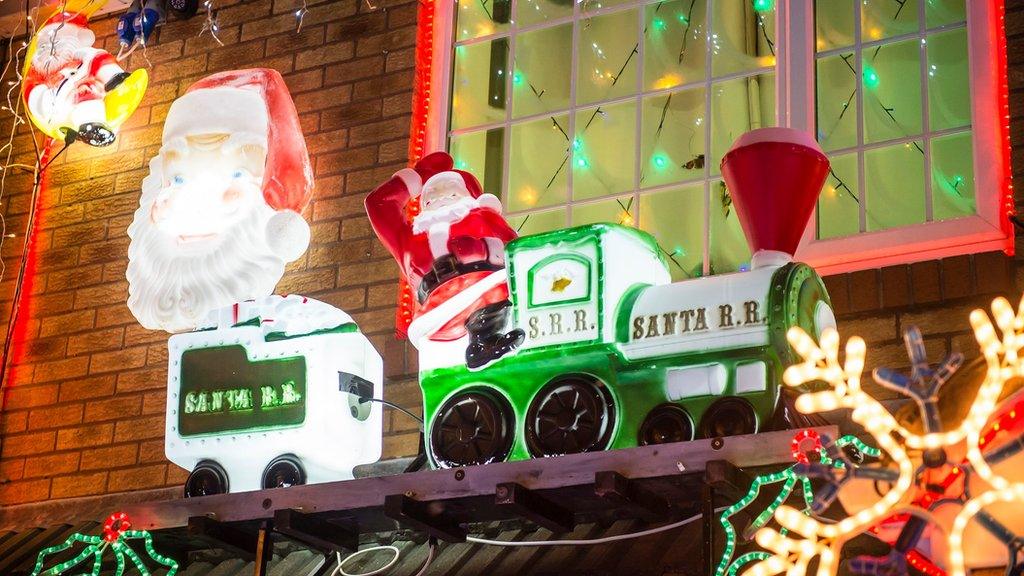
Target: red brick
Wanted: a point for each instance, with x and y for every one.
(24, 492)
(121, 360)
(115, 408)
(27, 444)
(84, 436)
(957, 280)
(85, 388)
(17, 397)
(925, 283)
(138, 478)
(55, 416)
(142, 380)
(140, 429)
(993, 270)
(109, 457)
(79, 485)
(895, 286)
(51, 465)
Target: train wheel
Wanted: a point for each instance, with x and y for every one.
(728, 417)
(666, 423)
(472, 428)
(568, 416)
(208, 478)
(284, 471)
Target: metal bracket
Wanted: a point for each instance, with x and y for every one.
(621, 491)
(220, 535)
(419, 515)
(726, 478)
(315, 532)
(530, 505)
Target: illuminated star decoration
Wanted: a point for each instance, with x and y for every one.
(828, 454)
(116, 532)
(804, 538)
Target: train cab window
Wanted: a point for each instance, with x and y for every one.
(708, 380)
(751, 377)
(580, 111)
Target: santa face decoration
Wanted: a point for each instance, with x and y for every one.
(72, 89)
(218, 217)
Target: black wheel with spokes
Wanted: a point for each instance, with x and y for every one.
(284, 471)
(208, 478)
(728, 417)
(472, 428)
(570, 415)
(666, 423)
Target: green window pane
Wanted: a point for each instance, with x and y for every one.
(738, 106)
(604, 151)
(673, 138)
(944, 12)
(478, 84)
(537, 222)
(587, 6)
(476, 18)
(728, 248)
(481, 153)
(615, 211)
(538, 164)
(887, 18)
(839, 204)
(892, 91)
(894, 178)
(676, 219)
(674, 50)
(833, 23)
(949, 88)
(837, 102)
(608, 51)
(952, 176)
(543, 67)
(744, 35)
(529, 12)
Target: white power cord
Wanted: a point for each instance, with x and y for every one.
(604, 540)
(433, 547)
(340, 570)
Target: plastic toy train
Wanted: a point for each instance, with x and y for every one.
(617, 355)
(253, 399)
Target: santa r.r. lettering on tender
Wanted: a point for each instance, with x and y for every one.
(452, 254)
(73, 90)
(219, 214)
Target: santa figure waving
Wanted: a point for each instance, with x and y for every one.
(452, 254)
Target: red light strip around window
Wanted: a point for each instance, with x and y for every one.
(1008, 208)
(417, 137)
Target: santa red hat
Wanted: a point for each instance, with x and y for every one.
(254, 106)
(438, 166)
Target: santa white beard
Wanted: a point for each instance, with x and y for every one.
(173, 290)
(437, 222)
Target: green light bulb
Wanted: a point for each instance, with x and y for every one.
(659, 24)
(582, 162)
(763, 5)
(871, 79)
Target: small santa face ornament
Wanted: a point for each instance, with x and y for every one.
(219, 214)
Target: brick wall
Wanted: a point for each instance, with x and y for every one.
(84, 411)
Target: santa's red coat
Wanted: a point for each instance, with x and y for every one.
(386, 207)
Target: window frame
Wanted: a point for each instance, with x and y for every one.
(987, 230)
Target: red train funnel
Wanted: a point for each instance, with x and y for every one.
(774, 176)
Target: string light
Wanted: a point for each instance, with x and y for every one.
(211, 25)
(300, 15)
(116, 533)
(1002, 353)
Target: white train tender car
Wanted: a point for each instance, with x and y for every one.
(254, 400)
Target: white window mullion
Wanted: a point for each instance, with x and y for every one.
(708, 116)
(858, 67)
(926, 141)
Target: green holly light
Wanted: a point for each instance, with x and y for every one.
(114, 539)
(871, 79)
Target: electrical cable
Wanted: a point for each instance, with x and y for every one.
(340, 570)
(430, 557)
(593, 541)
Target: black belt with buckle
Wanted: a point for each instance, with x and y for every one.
(448, 267)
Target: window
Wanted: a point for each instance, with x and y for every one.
(578, 111)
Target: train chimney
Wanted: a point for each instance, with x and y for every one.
(774, 176)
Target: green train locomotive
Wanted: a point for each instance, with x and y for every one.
(616, 355)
